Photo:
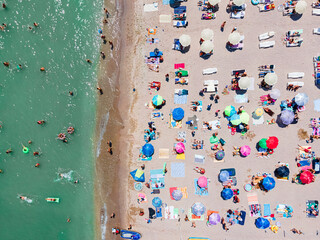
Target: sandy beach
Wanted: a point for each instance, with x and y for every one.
(134, 116)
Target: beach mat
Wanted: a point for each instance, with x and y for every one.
(181, 156)
(179, 65)
(175, 124)
(193, 217)
(266, 210)
(177, 169)
(165, 18)
(199, 158)
(182, 135)
(258, 121)
(251, 87)
(183, 190)
(180, 99)
(163, 153)
(195, 123)
(150, 7)
(171, 213)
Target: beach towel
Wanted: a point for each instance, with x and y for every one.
(163, 153)
(171, 213)
(179, 65)
(284, 178)
(241, 98)
(215, 124)
(182, 135)
(254, 206)
(180, 96)
(142, 198)
(175, 124)
(183, 190)
(159, 212)
(156, 115)
(284, 210)
(181, 156)
(200, 191)
(165, 18)
(266, 210)
(193, 217)
(258, 121)
(251, 87)
(177, 169)
(316, 105)
(155, 40)
(199, 158)
(157, 179)
(150, 105)
(150, 7)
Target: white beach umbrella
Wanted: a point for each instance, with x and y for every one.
(185, 40)
(207, 46)
(214, 2)
(301, 7)
(271, 79)
(207, 34)
(244, 83)
(238, 2)
(234, 38)
(275, 93)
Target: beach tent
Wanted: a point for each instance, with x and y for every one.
(214, 219)
(177, 194)
(234, 38)
(185, 40)
(138, 175)
(268, 183)
(156, 202)
(147, 150)
(263, 143)
(257, 113)
(235, 119)
(271, 78)
(214, 2)
(244, 117)
(301, 7)
(178, 114)
(301, 99)
(306, 177)
(245, 151)
(198, 209)
(207, 46)
(272, 142)
(157, 100)
(244, 83)
(226, 193)
(262, 223)
(282, 172)
(238, 2)
(275, 93)
(202, 182)
(180, 148)
(207, 34)
(229, 111)
(224, 176)
(220, 155)
(287, 116)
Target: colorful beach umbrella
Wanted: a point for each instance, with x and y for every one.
(262, 223)
(220, 155)
(301, 99)
(156, 202)
(207, 34)
(207, 46)
(185, 40)
(275, 93)
(282, 172)
(235, 119)
(234, 38)
(257, 113)
(244, 117)
(268, 183)
(157, 100)
(238, 2)
(214, 219)
(138, 175)
(287, 117)
(300, 7)
(226, 193)
(180, 147)
(306, 177)
(263, 143)
(148, 150)
(245, 151)
(202, 181)
(214, 139)
(271, 79)
(229, 111)
(214, 2)
(244, 83)
(224, 176)
(177, 194)
(272, 142)
(198, 209)
(178, 114)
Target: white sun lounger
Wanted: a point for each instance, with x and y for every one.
(180, 24)
(266, 35)
(267, 44)
(292, 32)
(211, 85)
(316, 30)
(209, 71)
(316, 12)
(295, 44)
(301, 84)
(296, 75)
(238, 15)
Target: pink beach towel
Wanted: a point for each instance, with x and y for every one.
(179, 65)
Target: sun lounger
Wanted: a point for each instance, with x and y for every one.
(165, 18)
(238, 8)
(238, 15)
(234, 72)
(180, 24)
(211, 85)
(301, 84)
(316, 31)
(296, 75)
(316, 12)
(209, 71)
(266, 35)
(267, 44)
(265, 8)
(295, 33)
(297, 43)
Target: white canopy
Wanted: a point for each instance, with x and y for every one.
(214, 2)
(301, 7)
(207, 46)
(271, 79)
(185, 40)
(244, 83)
(238, 2)
(234, 38)
(207, 34)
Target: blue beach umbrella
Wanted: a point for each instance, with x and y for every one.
(138, 175)
(220, 155)
(287, 117)
(178, 114)
(157, 100)
(262, 223)
(177, 195)
(148, 150)
(235, 119)
(198, 209)
(156, 202)
(224, 176)
(226, 193)
(230, 110)
(268, 183)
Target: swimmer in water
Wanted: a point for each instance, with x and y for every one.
(35, 24)
(35, 153)
(29, 141)
(88, 61)
(37, 165)
(19, 66)
(7, 64)
(9, 151)
(4, 5)
(40, 122)
(23, 198)
(70, 93)
(76, 181)
(42, 69)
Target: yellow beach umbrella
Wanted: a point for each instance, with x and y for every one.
(238, 2)
(244, 117)
(214, 2)
(234, 38)
(271, 79)
(207, 46)
(257, 113)
(301, 7)
(244, 83)
(185, 40)
(207, 34)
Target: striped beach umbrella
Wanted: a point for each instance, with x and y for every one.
(157, 100)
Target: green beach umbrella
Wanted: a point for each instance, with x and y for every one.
(244, 117)
(263, 143)
(235, 119)
(157, 100)
(214, 139)
(229, 110)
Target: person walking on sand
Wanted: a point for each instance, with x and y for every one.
(130, 227)
(113, 215)
(110, 150)
(100, 90)
(111, 45)
(193, 224)
(109, 143)
(106, 12)
(222, 26)
(103, 55)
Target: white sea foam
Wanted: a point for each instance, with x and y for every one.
(103, 128)
(103, 222)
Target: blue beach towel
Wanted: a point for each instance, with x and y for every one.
(180, 99)
(266, 210)
(177, 169)
(157, 177)
(158, 212)
(200, 191)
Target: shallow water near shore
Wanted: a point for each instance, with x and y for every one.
(67, 35)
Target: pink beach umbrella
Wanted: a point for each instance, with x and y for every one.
(202, 181)
(245, 150)
(180, 148)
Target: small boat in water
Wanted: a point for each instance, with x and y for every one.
(52, 199)
(130, 234)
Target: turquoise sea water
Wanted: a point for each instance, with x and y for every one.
(67, 35)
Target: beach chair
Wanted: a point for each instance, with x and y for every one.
(234, 72)
(296, 43)
(266, 35)
(316, 31)
(176, 45)
(296, 75)
(238, 8)
(295, 33)
(267, 44)
(238, 15)
(267, 7)
(316, 12)
(208, 71)
(180, 24)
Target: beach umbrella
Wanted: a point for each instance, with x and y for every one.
(275, 93)
(229, 111)
(214, 139)
(234, 38)
(282, 172)
(306, 177)
(207, 34)
(238, 2)
(268, 183)
(235, 119)
(262, 223)
(244, 117)
(202, 181)
(244, 83)
(272, 142)
(300, 7)
(180, 148)
(301, 99)
(156, 202)
(257, 113)
(157, 100)
(214, 2)
(178, 114)
(263, 143)
(245, 151)
(185, 40)
(224, 176)
(287, 116)
(177, 195)
(214, 219)
(226, 193)
(148, 150)
(207, 46)
(198, 209)
(220, 155)
(138, 175)
(271, 78)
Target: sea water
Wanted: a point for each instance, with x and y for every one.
(67, 35)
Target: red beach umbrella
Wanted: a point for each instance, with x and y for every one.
(306, 177)
(272, 142)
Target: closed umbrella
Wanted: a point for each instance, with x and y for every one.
(271, 79)
(282, 172)
(244, 117)
(180, 148)
(178, 114)
(202, 181)
(226, 193)
(301, 99)
(185, 40)
(224, 176)
(214, 219)
(234, 38)
(306, 177)
(272, 142)
(157, 100)
(207, 34)
(238, 2)
(275, 93)
(301, 7)
(245, 151)
(198, 209)
(244, 83)
(262, 223)
(220, 155)
(287, 117)
(156, 202)
(257, 113)
(229, 111)
(268, 183)
(207, 46)
(177, 195)
(148, 150)
(263, 143)
(235, 119)
(214, 2)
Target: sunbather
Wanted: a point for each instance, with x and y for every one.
(181, 81)
(196, 146)
(194, 108)
(195, 103)
(200, 170)
(236, 151)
